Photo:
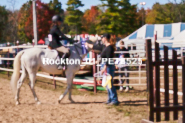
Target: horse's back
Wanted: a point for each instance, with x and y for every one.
(32, 56)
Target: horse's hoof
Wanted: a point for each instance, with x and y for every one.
(17, 103)
(38, 103)
(59, 101)
(72, 101)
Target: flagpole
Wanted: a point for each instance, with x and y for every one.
(35, 22)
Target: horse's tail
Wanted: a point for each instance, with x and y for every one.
(16, 72)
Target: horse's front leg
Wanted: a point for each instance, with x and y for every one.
(69, 77)
(70, 91)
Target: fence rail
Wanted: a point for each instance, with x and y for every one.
(83, 63)
(153, 80)
(139, 71)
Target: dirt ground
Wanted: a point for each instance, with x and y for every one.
(89, 107)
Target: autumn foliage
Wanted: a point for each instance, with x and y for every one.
(118, 17)
(44, 15)
(90, 19)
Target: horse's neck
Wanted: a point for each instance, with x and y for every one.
(78, 48)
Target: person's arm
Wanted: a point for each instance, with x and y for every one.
(104, 69)
(95, 46)
(68, 39)
(99, 47)
(62, 36)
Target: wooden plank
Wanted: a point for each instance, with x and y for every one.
(157, 82)
(54, 82)
(175, 85)
(8, 62)
(154, 72)
(183, 88)
(150, 78)
(171, 62)
(94, 71)
(168, 108)
(166, 83)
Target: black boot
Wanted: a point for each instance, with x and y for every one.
(62, 66)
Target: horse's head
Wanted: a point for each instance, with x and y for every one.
(89, 42)
(83, 49)
(94, 41)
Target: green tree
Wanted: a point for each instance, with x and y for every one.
(167, 13)
(90, 19)
(65, 27)
(141, 15)
(180, 13)
(22, 19)
(44, 15)
(118, 18)
(12, 26)
(25, 23)
(74, 16)
(56, 6)
(3, 23)
(127, 17)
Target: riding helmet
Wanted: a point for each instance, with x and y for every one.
(56, 18)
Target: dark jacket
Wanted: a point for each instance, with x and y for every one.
(105, 52)
(126, 55)
(99, 47)
(56, 37)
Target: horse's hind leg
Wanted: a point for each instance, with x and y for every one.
(70, 91)
(70, 98)
(69, 86)
(19, 84)
(32, 77)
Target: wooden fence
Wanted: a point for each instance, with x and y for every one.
(153, 78)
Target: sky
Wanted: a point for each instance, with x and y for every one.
(87, 3)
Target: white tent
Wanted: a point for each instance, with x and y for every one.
(171, 35)
(166, 33)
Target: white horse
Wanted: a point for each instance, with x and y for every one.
(30, 60)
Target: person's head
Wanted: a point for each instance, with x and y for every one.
(121, 44)
(57, 20)
(106, 38)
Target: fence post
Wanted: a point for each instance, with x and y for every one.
(94, 71)
(183, 89)
(8, 61)
(166, 81)
(17, 47)
(150, 78)
(54, 81)
(139, 74)
(157, 82)
(175, 84)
